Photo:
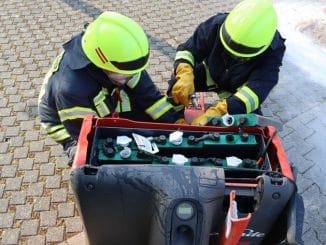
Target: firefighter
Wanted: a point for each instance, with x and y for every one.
(100, 72)
(237, 55)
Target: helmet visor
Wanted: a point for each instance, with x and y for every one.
(131, 65)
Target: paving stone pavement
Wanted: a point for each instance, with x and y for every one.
(36, 202)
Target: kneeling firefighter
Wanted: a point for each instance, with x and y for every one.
(100, 72)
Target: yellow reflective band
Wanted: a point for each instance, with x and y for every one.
(185, 55)
(75, 113)
(210, 83)
(117, 109)
(46, 126)
(125, 101)
(249, 98)
(105, 91)
(56, 132)
(60, 135)
(102, 109)
(99, 97)
(134, 81)
(50, 129)
(159, 108)
(99, 101)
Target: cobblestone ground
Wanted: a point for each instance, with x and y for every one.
(36, 202)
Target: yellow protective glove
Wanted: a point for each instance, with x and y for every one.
(181, 121)
(214, 111)
(184, 86)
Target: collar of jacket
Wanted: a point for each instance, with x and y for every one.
(74, 53)
(276, 39)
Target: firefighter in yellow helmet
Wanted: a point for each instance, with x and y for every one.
(237, 55)
(101, 71)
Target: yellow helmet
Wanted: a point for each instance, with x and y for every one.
(116, 43)
(249, 28)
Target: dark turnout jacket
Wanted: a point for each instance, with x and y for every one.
(74, 87)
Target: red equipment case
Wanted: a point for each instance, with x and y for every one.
(147, 199)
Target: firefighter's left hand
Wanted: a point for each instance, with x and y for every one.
(214, 111)
(184, 85)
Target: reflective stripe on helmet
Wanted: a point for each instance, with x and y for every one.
(249, 98)
(159, 108)
(237, 47)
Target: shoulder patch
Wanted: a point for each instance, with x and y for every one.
(56, 62)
